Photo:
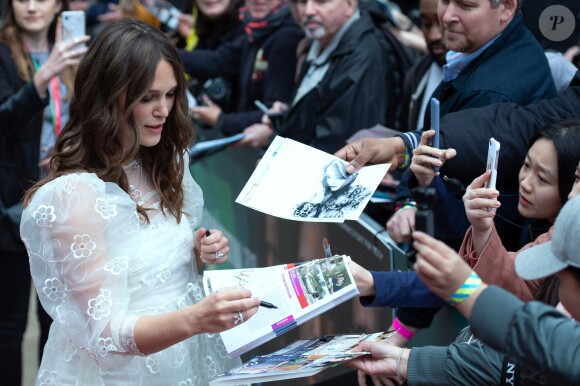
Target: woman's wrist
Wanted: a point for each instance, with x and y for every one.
(40, 83)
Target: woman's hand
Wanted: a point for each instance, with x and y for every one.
(213, 248)
(480, 205)
(61, 56)
(223, 310)
(425, 158)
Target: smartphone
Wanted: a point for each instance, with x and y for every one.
(492, 160)
(434, 141)
(73, 26)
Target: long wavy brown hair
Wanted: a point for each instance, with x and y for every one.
(120, 65)
(11, 36)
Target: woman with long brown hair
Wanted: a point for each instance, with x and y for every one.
(113, 234)
(36, 82)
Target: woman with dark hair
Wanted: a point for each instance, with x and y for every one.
(36, 83)
(112, 234)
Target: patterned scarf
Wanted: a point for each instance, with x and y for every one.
(257, 29)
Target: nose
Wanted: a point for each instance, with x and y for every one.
(31, 5)
(309, 7)
(446, 12)
(525, 181)
(575, 190)
(163, 108)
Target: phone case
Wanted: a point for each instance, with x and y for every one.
(73, 26)
(492, 161)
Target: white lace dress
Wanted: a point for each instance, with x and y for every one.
(97, 268)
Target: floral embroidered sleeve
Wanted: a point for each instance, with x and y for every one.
(192, 197)
(81, 234)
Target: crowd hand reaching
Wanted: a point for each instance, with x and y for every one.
(186, 24)
(61, 56)
(380, 364)
(426, 157)
(257, 135)
(279, 107)
(209, 113)
(218, 311)
(372, 151)
(363, 278)
(114, 13)
(211, 249)
(401, 224)
(442, 269)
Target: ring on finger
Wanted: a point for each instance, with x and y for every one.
(219, 255)
(238, 318)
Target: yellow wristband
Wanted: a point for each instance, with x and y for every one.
(470, 285)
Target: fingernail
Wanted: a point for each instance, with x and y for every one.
(350, 169)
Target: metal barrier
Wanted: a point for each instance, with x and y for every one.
(258, 240)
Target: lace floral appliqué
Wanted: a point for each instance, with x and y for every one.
(100, 307)
(44, 216)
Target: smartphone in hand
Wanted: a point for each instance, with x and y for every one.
(73, 27)
(492, 160)
(434, 141)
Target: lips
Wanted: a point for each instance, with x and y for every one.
(155, 128)
(524, 202)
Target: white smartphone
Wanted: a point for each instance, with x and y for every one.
(73, 26)
(492, 160)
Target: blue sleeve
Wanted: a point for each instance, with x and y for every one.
(400, 289)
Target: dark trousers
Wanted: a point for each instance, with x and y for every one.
(14, 299)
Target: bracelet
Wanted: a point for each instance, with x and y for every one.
(470, 285)
(407, 160)
(407, 203)
(399, 363)
(408, 206)
(401, 330)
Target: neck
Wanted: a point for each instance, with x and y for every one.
(36, 42)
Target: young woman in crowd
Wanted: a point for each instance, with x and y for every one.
(531, 334)
(111, 232)
(36, 83)
(549, 170)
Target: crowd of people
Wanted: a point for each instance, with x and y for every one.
(99, 210)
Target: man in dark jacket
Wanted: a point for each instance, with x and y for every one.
(484, 66)
(344, 78)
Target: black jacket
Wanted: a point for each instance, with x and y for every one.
(21, 111)
(276, 52)
(351, 96)
(410, 108)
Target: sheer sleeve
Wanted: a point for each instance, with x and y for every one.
(192, 197)
(81, 235)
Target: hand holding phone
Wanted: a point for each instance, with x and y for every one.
(492, 161)
(434, 142)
